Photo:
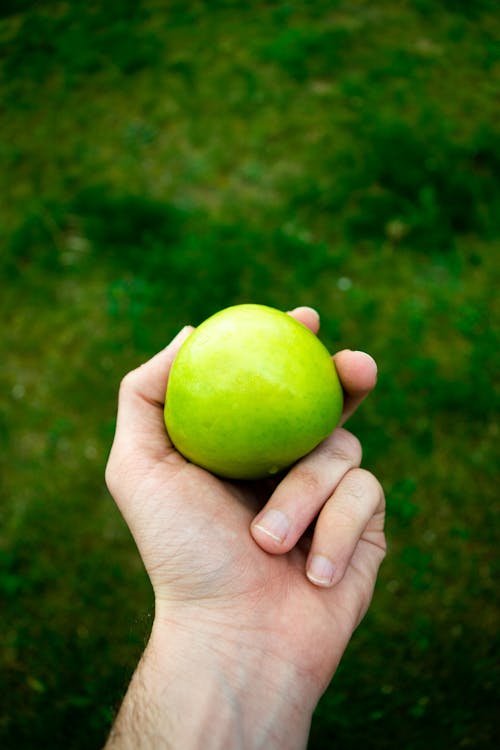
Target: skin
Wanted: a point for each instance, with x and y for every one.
(251, 617)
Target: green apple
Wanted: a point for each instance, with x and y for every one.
(250, 392)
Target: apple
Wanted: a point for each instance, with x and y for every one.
(251, 391)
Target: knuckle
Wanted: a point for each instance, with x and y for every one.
(307, 478)
(127, 383)
(354, 484)
(360, 483)
(344, 447)
(375, 488)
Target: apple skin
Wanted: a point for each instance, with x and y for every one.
(251, 391)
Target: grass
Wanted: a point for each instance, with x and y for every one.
(162, 164)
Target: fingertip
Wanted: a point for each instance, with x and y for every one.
(270, 530)
(321, 571)
(306, 315)
(180, 337)
(306, 310)
(367, 362)
(357, 370)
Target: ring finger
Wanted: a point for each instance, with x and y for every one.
(354, 511)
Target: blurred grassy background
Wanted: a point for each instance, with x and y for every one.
(163, 160)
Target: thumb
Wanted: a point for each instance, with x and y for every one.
(140, 429)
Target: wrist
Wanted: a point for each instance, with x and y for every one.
(220, 686)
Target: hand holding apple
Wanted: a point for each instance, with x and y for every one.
(248, 613)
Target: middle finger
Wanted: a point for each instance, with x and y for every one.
(298, 499)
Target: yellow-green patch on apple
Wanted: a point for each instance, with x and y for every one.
(250, 392)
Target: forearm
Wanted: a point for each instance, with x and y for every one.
(207, 691)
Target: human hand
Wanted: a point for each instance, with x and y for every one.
(247, 595)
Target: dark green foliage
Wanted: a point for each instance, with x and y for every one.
(34, 242)
(413, 182)
(80, 41)
(303, 52)
(133, 229)
(162, 161)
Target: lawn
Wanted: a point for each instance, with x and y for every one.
(161, 161)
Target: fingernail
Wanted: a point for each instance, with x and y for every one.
(275, 524)
(320, 570)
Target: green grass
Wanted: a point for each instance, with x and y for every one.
(161, 164)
